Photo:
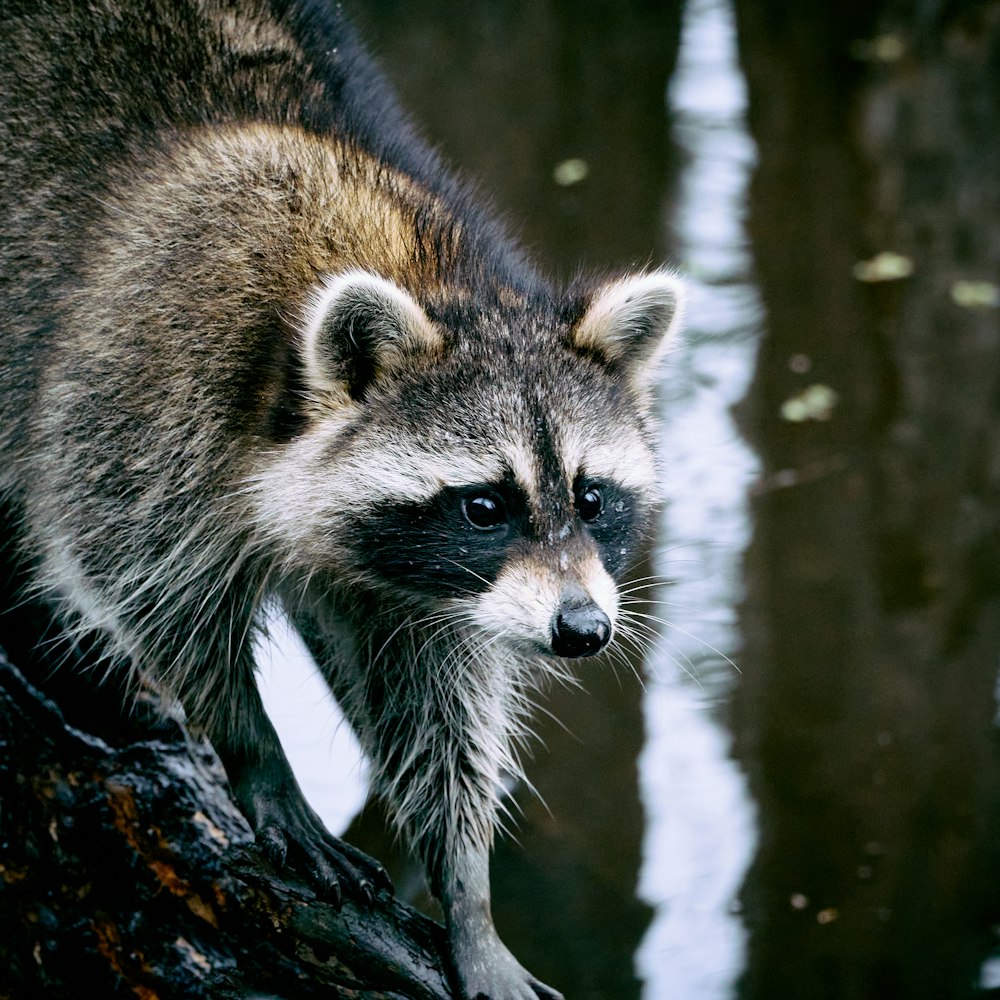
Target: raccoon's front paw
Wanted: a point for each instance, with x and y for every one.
(290, 834)
(486, 970)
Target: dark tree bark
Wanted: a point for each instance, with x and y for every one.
(126, 870)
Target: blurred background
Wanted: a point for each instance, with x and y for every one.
(797, 792)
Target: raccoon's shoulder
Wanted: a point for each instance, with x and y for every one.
(89, 85)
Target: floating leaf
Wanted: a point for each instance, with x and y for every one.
(885, 266)
(815, 403)
(570, 172)
(976, 294)
(884, 48)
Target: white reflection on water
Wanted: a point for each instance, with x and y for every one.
(320, 745)
(700, 821)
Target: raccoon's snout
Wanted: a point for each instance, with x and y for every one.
(579, 627)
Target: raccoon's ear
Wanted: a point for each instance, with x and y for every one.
(630, 322)
(361, 328)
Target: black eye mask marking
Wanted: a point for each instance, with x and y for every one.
(615, 519)
(453, 545)
(456, 543)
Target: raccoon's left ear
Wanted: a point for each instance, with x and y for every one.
(630, 322)
(360, 329)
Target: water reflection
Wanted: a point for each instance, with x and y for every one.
(871, 623)
(700, 824)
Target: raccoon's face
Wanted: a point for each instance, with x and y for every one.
(503, 480)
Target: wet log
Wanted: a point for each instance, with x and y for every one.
(127, 870)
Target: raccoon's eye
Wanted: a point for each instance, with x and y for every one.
(590, 503)
(484, 511)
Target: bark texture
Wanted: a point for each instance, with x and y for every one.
(126, 870)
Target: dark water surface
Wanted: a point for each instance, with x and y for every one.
(804, 799)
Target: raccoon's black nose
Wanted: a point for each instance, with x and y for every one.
(579, 629)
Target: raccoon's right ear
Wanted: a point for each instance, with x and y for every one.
(361, 328)
(628, 324)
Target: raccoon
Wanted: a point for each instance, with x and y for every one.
(259, 345)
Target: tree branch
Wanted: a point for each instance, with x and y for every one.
(128, 870)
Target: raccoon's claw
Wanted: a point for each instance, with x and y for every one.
(372, 876)
(290, 835)
(543, 991)
(338, 866)
(535, 991)
(333, 868)
(528, 988)
(272, 844)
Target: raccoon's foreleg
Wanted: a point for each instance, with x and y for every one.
(456, 752)
(437, 731)
(485, 968)
(285, 825)
(198, 650)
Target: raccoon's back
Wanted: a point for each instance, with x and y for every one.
(88, 87)
(84, 81)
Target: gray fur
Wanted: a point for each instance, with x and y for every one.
(243, 313)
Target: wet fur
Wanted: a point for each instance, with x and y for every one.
(183, 438)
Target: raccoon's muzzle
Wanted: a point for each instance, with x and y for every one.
(579, 626)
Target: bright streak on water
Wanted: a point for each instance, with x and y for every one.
(320, 746)
(701, 828)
